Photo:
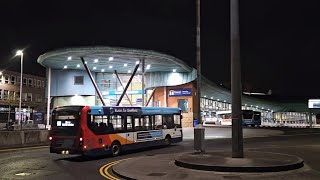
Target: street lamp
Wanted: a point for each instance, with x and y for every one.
(20, 53)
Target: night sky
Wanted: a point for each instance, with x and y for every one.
(280, 39)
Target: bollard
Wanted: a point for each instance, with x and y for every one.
(199, 139)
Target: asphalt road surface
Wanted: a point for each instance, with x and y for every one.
(38, 163)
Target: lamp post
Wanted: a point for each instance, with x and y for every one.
(20, 53)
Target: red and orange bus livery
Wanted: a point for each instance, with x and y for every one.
(99, 130)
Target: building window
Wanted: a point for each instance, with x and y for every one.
(42, 83)
(157, 103)
(5, 94)
(24, 81)
(13, 79)
(17, 95)
(30, 82)
(38, 98)
(78, 80)
(1, 78)
(24, 96)
(6, 79)
(38, 83)
(29, 97)
(183, 105)
(34, 83)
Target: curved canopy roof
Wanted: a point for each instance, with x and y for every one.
(108, 59)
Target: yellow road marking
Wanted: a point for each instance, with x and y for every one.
(104, 169)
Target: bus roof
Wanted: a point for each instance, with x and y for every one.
(133, 110)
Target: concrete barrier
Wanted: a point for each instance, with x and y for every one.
(23, 138)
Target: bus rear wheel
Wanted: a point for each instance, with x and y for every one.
(167, 140)
(115, 148)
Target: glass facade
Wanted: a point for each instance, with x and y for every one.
(111, 89)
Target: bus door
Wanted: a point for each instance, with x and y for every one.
(130, 129)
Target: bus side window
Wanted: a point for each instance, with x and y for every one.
(137, 125)
(158, 122)
(146, 123)
(177, 120)
(168, 121)
(129, 123)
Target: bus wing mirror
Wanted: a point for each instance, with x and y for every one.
(181, 117)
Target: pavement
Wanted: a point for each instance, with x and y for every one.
(216, 165)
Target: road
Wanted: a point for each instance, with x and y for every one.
(38, 163)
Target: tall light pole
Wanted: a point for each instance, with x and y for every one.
(20, 53)
(236, 90)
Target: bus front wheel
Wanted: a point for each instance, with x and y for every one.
(115, 148)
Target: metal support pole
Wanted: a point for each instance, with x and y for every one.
(129, 82)
(199, 129)
(21, 82)
(237, 137)
(165, 96)
(93, 82)
(151, 96)
(49, 94)
(310, 120)
(118, 77)
(198, 55)
(142, 81)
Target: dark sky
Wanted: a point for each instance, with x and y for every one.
(280, 40)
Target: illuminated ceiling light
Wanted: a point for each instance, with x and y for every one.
(137, 62)
(257, 106)
(268, 109)
(69, 58)
(218, 99)
(129, 71)
(139, 69)
(110, 58)
(224, 101)
(96, 60)
(85, 62)
(102, 70)
(174, 70)
(65, 67)
(148, 67)
(110, 67)
(211, 97)
(251, 105)
(125, 65)
(94, 68)
(78, 65)
(262, 108)
(204, 96)
(245, 104)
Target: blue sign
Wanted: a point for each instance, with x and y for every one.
(150, 134)
(139, 100)
(180, 92)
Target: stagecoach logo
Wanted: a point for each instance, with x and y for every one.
(111, 110)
